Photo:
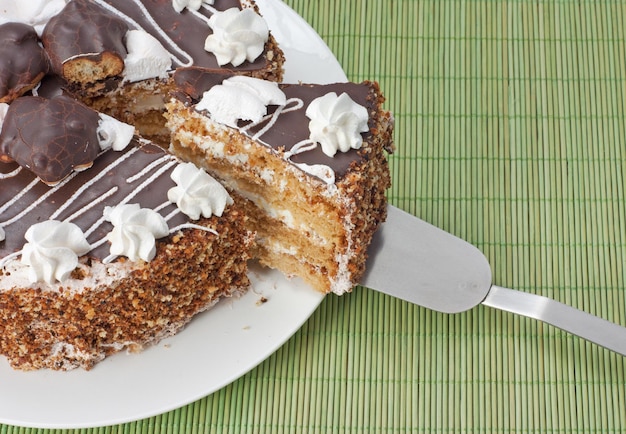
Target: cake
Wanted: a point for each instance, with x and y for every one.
(114, 229)
(116, 256)
(309, 161)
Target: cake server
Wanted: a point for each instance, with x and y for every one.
(420, 263)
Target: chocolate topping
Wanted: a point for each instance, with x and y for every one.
(114, 178)
(50, 137)
(85, 29)
(23, 63)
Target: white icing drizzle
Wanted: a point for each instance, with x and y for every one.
(273, 118)
(193, 226)
(36, 203)
(300, 147)
(177, 211)
(98, 201)
(149, 168)
(11, 174)
(18, 196)
(9, 258)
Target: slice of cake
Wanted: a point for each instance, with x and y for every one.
(309, 161)
(106, 241)
(118, 55)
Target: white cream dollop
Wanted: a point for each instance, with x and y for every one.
(238, 35)
(337, 123)
(146, 57)
(52, 250)
(114, 134)
(4, 108)
(180, 5)
(36, 13)
(135, 231)
(241, 98)
(197, 193)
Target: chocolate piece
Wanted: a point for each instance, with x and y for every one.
(50, 137)
(85, 42)
(23, 62)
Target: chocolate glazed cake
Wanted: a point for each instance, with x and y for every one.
(314, 209)
(116, 256)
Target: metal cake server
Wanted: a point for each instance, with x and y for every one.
(420, 263)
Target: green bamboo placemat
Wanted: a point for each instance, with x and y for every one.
(510, 134)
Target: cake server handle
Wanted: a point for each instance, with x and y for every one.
(595, 329)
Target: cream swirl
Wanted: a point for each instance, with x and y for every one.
(238, 35)
(241, 98)
(135, 231)
(336, 123)
(197, 193)
(180, 5)
(4, 108)
(2, 234)
(52, 250)
(146, 57)
(113, 134)
(36, 13)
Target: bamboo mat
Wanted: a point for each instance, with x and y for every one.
(510, 134)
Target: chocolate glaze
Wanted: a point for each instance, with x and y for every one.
(14, 183)
(83, 27)
(50, 137)
(23, 62)
(292, 127)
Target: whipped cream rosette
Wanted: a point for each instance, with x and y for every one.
(238, 35)
(337, 123)
(241, 98)
(135, 231)
(146, 57)
(197, 193)
(52, 250)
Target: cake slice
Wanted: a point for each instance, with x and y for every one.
(309, 162)
(111, 252)
(118, 56)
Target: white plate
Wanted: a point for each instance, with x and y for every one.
(215, 349)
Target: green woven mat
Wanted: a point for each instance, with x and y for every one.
(510, 134)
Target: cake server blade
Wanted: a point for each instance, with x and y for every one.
(415, 261)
